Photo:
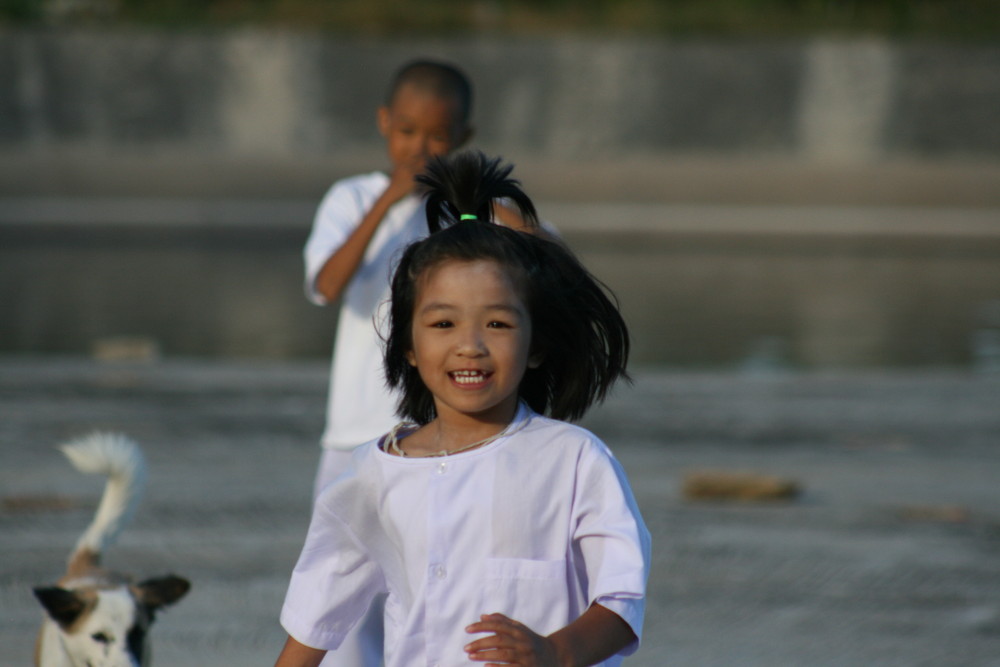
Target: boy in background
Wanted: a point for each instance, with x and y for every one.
(361, 225)
(360, 228)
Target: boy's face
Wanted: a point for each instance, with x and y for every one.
(418, 125)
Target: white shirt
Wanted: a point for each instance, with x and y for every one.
(359, 406)
(537, 525)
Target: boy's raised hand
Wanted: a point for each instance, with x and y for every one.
(401, 181)
(343, 264)
(511, 643)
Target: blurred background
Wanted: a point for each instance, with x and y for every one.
(764, 183)
(797, 203)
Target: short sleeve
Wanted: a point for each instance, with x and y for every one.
(332, 584)
(610, 539)
(339, 213)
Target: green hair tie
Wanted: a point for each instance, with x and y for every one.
(468, 216)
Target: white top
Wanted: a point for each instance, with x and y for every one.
(537, 525)
(359, 407)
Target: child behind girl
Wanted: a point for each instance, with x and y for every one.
(498, 534)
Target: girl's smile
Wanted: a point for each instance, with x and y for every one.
(471, 342)
(469, 379)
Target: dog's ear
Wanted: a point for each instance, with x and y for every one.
(161, 591)
(62, 605)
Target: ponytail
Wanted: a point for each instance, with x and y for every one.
(466, 186)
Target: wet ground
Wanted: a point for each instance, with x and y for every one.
(890, 557)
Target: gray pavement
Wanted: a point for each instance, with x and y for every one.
(890, 557)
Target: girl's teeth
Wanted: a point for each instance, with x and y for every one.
(467, 377)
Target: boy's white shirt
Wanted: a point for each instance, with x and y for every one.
(537, 525)
(359, 406)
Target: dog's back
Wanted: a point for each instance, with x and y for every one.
(96, 617)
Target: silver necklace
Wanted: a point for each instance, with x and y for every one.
(394, 440)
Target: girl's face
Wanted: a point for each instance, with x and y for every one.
(471, 339)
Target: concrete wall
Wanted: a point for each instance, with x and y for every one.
(817, 204)
(250, 95)
(759, 287)
(196, 287)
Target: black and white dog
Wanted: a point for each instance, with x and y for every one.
(98, 618)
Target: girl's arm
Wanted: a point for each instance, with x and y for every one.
(596, 636)
(295, 654)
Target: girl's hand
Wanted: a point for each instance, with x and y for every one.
(511, 643)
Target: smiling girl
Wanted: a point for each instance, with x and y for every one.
(499, 534)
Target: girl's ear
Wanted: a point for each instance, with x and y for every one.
(536, 359)
(411, 358)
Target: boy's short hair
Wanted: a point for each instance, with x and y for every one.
(438, 78)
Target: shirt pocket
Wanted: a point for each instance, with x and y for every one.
(533, 592)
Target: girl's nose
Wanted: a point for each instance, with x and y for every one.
(471, 344)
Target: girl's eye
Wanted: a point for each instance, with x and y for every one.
(497, 324)
(443, 324)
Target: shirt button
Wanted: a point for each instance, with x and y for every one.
(439, 571)
(442, 468)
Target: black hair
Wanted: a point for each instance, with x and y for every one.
(470, 184)
(439, 78)
(577, 331)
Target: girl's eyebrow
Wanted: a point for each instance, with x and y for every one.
(436, 306)
(505, 307)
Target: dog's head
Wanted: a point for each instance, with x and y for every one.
(106, 627)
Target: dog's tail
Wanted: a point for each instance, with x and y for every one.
(121, 460)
